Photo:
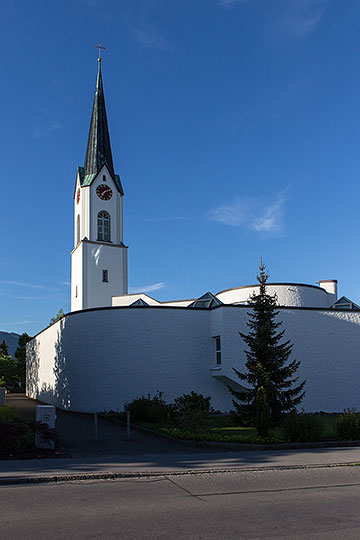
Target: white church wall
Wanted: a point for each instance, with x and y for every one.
(113, 355)
(288, 294)
(325, 341)
(77, 273)
(97, 258)
(99, 359)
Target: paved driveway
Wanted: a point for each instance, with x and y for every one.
(77, 434)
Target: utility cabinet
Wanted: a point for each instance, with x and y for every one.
(46, 415)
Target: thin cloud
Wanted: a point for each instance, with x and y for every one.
(147, 288)
(21, 297)
(301, 17)
(17, 322)
(148, 35)
(271, 219)
(29, 285)
(252, 214)
(41, 131)
(229, 3)
(167, 218)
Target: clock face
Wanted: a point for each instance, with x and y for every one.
(78, 196)
(104, 192)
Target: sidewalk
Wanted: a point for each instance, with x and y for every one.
(114, 456)
(50, 470)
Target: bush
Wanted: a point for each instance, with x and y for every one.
(302, 427)
(192, 402)
(149, 409)
(16, 438)
(192, 411)
(347, 425)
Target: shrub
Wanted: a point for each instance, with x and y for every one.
(193, 420)
(302, 427)
(192, 411)
(149, 409)
(192, 402)
(347, 425)
(15, 438)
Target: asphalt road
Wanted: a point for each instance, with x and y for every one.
(290, 504)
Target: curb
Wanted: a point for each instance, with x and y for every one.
(59, 478)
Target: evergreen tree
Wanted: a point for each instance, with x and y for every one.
(60, 314)
(4, 348)
(8, 373)
(269, 374)
(20, 356)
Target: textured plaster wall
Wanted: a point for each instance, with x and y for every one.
(325, 341)
(112, 356)
(288, 294)
(99, 359)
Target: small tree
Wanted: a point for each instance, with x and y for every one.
(4, 348)
(20, 355)
(60, 314)
(269, 374)
(8, 373)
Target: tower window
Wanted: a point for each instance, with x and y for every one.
(77, 230)
(105, 276)
(103, 226)
(104, 178)
(218, 350)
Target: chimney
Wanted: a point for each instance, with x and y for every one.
(330, 286)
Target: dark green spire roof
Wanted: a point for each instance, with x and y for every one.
(98, 152)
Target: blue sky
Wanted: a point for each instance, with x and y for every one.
(234, 127)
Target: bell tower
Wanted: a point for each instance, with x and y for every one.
(99, 258)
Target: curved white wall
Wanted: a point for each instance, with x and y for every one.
(288, 294)
(99, 359)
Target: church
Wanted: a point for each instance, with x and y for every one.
(114, 346)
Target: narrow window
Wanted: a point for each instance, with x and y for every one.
(105, 276)
(77, 230)
(218, 350)
(104, 178)
(103, 226)
(76, 291)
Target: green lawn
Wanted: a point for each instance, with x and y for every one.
(7, 414)
(225, 429)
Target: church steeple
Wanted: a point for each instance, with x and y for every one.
(98, 152)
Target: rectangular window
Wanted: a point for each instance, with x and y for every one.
(218, 350)
(105, 276)
(76, 291)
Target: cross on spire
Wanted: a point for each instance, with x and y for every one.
(99, 47)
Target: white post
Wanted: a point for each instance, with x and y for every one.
(96, 426)
(2, 397)
(128, 426)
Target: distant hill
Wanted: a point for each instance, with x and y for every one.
(11, 340)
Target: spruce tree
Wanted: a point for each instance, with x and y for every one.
(270, 374)
(4, 348)
(20, 355)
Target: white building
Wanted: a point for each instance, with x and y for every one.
(114, 347)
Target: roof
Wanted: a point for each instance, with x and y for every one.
(98, 151)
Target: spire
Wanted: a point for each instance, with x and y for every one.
(98, 152)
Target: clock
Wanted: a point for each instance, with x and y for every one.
(104, 192)
(78, 196)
